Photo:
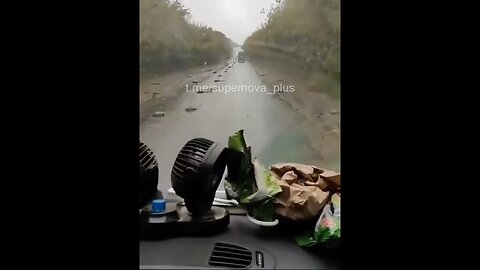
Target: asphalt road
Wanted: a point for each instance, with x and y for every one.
(271, 126)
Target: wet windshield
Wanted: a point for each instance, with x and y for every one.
(272, 68)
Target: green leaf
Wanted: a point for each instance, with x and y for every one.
(249, 182)
(240, 182)
(273, 187)
(237, 142)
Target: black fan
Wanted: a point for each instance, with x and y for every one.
(148, 169)
(197, 173)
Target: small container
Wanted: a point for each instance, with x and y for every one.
(158, 206)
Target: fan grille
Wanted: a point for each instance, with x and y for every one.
(148, 169)
(191, 156)
(147, 158)
(231, 256)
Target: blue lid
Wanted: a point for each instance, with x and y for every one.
(158, 206)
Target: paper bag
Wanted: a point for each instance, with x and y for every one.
(305, 189)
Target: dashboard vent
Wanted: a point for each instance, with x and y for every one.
(230, 256)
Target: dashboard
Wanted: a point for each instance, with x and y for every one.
(280, 246)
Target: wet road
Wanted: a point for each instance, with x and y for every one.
(271, 126)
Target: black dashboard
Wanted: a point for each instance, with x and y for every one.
(184, 252)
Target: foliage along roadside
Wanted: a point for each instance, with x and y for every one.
(170, 41)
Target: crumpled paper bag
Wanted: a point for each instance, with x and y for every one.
(305, 189)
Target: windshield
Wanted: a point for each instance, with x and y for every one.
(213, 67)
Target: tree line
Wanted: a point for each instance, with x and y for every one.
(309, 30)
(169, 40)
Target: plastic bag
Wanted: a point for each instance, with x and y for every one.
(249, 182)
(327, 229)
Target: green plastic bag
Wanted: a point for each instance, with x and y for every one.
(249, 182)
(327, 229)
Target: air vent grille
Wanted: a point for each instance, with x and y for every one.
(230, 256)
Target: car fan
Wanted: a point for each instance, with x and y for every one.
(148, 169)
(197, 173)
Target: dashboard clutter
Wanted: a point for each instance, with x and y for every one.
(293, 191)
(305, 189)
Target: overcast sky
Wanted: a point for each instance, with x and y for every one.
(237, 19)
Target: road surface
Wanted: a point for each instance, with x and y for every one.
(272, 127)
